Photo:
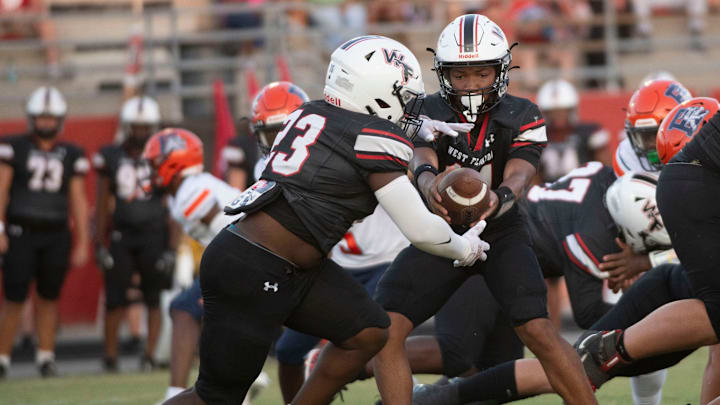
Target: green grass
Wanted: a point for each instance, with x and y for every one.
(682, 387)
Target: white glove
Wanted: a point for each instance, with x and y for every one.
(478, 247)
(431, 128)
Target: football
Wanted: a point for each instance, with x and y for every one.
(464, 195)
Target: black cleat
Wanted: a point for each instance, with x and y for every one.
(3, 371)
(599, 355)
(48, 369)
(433, 394)
(110, 365)
(147, 363)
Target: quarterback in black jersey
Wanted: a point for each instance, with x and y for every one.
(332, 163)
(136, 240)
(41, 183)
(472, 61)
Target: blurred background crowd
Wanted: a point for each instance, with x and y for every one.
(203, 61)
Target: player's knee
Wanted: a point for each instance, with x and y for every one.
(114, 301)
(538, 334)
(370, 340)
(288, 353)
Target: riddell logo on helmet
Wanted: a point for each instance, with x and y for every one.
(468, 55)
(332, 100)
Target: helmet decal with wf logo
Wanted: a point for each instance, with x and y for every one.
(397, 59)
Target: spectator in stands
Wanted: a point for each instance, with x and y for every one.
(595, 55)
(696, 11)
(338, 20)
(251, 19)
(571, 143)
(42, 185)
(138, 238)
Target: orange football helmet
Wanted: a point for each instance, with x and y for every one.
(270, 107)
(646, 110)
(172, 152)
(682, 124)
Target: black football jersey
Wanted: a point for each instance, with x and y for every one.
(561, 156)
(568, 221)
(321, 160)
(129, 178)
(705, 146)
(513, 129)
(40, 183)
(242, 153)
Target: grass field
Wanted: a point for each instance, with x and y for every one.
(682, 387)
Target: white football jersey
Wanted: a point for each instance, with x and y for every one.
(626, 160)
(374, 240)
(195, 198)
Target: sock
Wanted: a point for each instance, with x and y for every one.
(494, 383)
(620, 347)
(647, 388)
(172, 391)
(5, 360)
(42, 356)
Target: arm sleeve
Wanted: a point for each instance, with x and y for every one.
(382, 147)
(79, 165)
(586, 252)
(425, 230)
(530, 138)
(7, 153)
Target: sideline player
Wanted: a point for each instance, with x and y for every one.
(334, 160)
(472, 61)
(42, 184)
(137, 239)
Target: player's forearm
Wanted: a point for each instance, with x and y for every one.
(518, 176)
(423, 229)
(102, 210)
(6, 175)
(79, 210)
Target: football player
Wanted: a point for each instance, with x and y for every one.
(472, 62)
(138, 239)
(332, 163)
(240, 156)
(42, 184)
(687, 144)
(571, 143)
(573, 222)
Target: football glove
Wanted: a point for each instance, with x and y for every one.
(478, 247)
(430, 129)
(103, 258)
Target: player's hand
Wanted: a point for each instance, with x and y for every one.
(624, 265)
(80, 255)
(432, 196)
(492, 206)
(431, 129)
(3, 243)
(103, 258)
(478, 247)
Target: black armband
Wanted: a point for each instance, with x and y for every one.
(506, 199)
(421, 169)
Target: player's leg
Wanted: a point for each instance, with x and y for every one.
(683, 193)
(54, 265)
(290, 351)
(117, 282)
(711, 377)
(152, 281)
(19, 266)
(247, 293)
(514, 277)
(337, 308)
(186, 312)
(415, 287)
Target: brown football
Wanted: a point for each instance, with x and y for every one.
(464, 195)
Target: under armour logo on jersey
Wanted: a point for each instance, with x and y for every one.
(273, 287)
(688, 119)
(489, 140)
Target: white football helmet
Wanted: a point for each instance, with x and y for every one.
(46, 101)
(557, 94)
(473, 40)
(631, 203)
(379, 76)
(140, 118)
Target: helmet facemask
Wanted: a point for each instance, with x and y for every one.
(42, 131)
(136, 134)
(266, 135)
(643, 140)
(474, 102)
(411, 102)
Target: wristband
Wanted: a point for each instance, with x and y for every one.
(506, 199)
(2, 227)
(421, 169)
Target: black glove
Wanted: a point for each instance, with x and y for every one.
(103, 258)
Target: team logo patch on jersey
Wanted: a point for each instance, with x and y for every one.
(688, 119)
(249, 197)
